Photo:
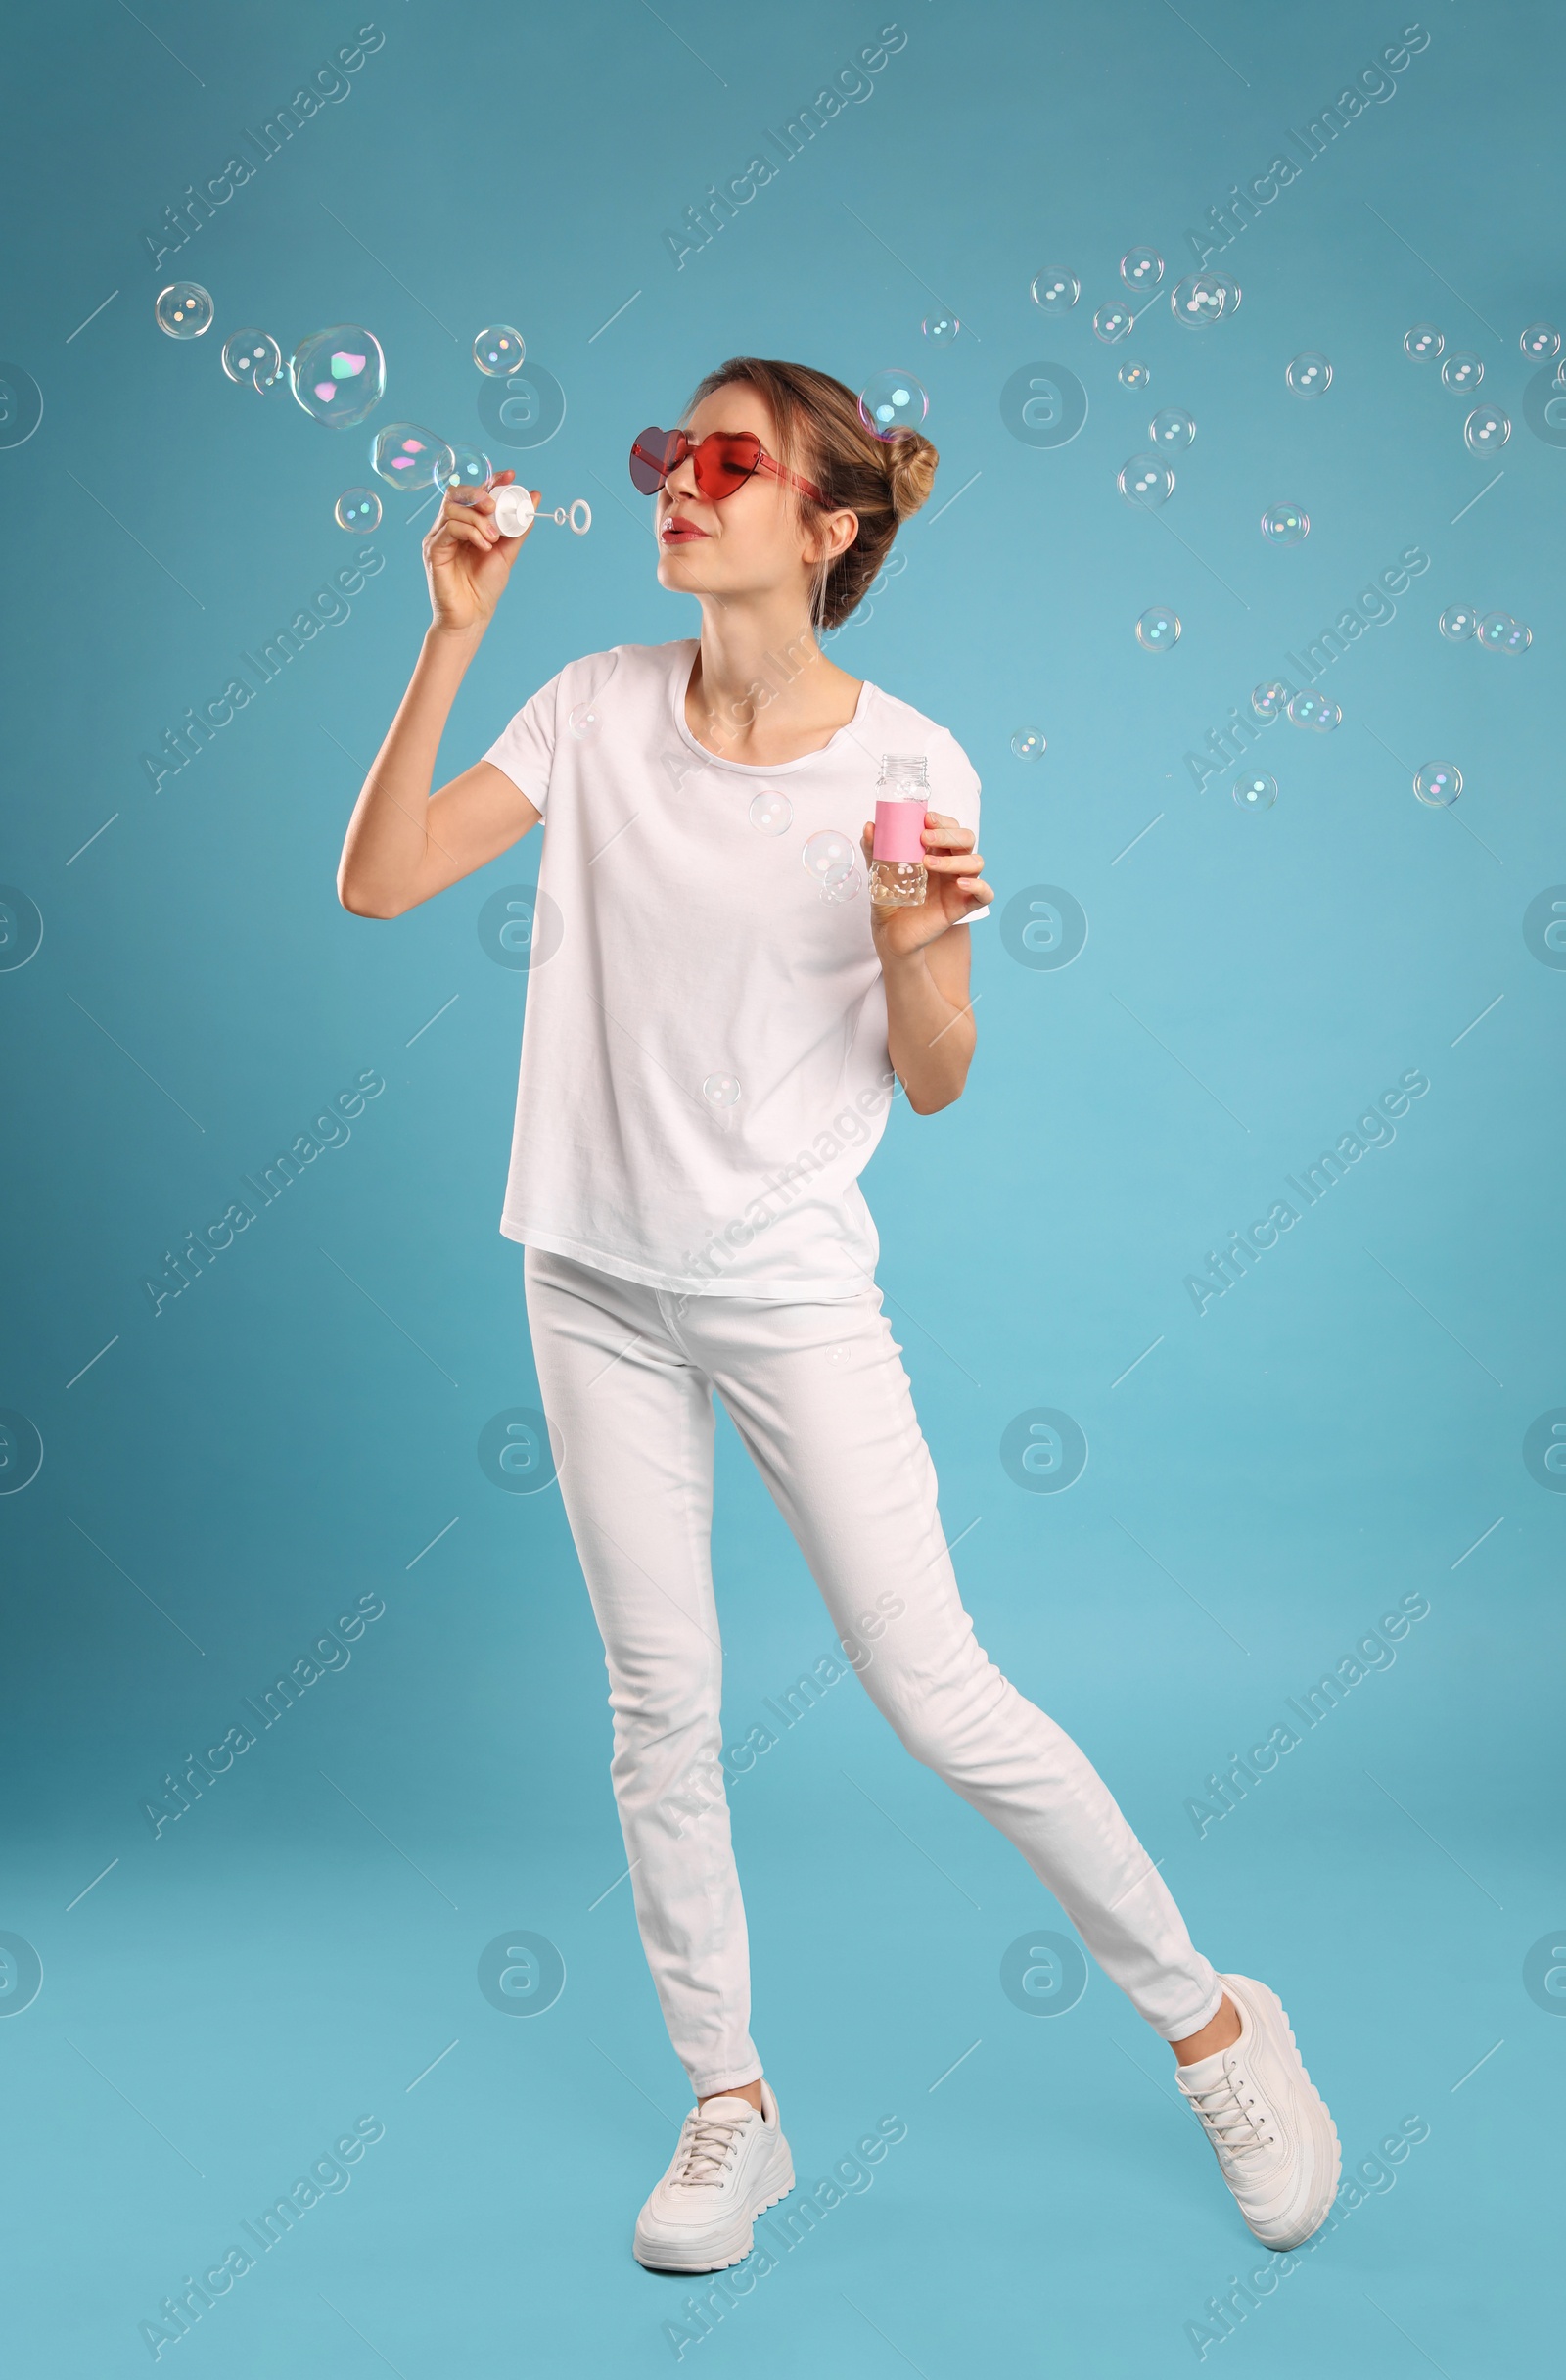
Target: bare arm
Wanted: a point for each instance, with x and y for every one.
(404, 843)
(923, 963)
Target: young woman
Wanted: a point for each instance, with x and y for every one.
(718, 1017)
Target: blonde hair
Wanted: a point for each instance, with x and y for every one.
(821, 432)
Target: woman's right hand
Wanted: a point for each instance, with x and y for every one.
(467, 561)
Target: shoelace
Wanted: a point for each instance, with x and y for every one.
(1230, 2125)
(706, 2151)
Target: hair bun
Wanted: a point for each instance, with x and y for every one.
(910, 470)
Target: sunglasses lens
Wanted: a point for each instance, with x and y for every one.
(652, 458)
(724, 463)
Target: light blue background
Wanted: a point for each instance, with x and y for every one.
(1337, 1432)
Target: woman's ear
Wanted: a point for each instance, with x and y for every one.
(833, 536)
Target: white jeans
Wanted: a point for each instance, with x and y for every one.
(818, 1394)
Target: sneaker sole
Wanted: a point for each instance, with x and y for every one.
(1322, 2132)
(718, 2251)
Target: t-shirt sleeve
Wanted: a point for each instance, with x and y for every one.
(525, 750)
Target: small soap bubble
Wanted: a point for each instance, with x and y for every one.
(1285, 525)
(498, 351)
(1198, 299)
(1159, 630)
(1541, 341)
(771, 813)
(1461, 371)
(463, 471)
(1172, 429)
(940, 329)
(890, 401)
(1269, 698)
(406, 456)
(1457, 622)
(358, 508)
(1439, 783)
(1313, 710)
(1112, 323)
(1029, 743)
(828, 855)
(1486, 430)
(339, 375)
(184, 310)
(1256, 791)
(1146, 480)
(847, 887)
(584, 720)
(1230, 291)
(722, 1090)
(253, 357)
(1141, 268)
(1055, 292)
(1307, 374)
(1133, 375)
(1500, 632)
(1424, 343)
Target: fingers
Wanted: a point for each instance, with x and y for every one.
(944, 834)
(964, 864)
(463, 528)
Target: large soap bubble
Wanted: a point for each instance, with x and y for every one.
(406, 455)
(339, 375)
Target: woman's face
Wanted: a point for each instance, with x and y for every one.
(753, 544)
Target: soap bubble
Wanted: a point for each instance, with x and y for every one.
(406, 455)
(1257, 791)
(499, 349)
(1146, 480)
(1172, 428)
(1027, 743)
(1159, 630)
(1229, 291)
(1055, 292)
(1198, 299)
(1307, 374)
(1112, 323)
(584, 720)
(464, 471)
(940, 329)
(1269, 698)
(252, 356)
(1486, 430)
(358, 508)
(847, 887)
(1423, 343)
(1141, 268)
(1541, 341)
(1457, 620)
(1439, 783)
(828, 855)
(1462, 370)
(771, 813)
(1313, 710)
(1133, 375)
(339, 375)
(892, 401)
(184, 310)
(1285, 525)
(1500, 632)
(722, 1090)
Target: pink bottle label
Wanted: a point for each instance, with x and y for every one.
(899, 826)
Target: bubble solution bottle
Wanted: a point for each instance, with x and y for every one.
(898, 873)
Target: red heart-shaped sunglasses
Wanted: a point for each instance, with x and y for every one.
(722, 462)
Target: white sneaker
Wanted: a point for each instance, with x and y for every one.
(1276, 2146)
(731, 2165)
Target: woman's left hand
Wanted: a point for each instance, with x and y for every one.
(955, 889)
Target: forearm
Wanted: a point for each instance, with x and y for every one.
(387, 847)
(930, 1038)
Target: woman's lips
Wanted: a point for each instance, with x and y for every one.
(678, 532)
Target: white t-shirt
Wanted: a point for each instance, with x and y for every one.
(704, 1055)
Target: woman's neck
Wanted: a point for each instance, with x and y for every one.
(762, 689)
